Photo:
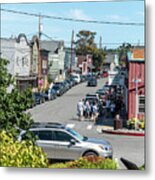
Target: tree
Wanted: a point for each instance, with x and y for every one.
(122, 52)
(85, 43)
(98, 58)
(13, 104)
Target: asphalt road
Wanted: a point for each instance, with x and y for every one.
(63, 110)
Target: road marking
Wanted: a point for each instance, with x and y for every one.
(70, 125)
(89, 127)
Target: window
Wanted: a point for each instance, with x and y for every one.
(62, 136)
(141, 102)
(29, 135)
(45, 135)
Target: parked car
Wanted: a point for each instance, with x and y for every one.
(65, 143)
(92, 81)
(50, 94)
(73, 81)
(62, 86)
(58, 89)
(67, 84)
(70, 83)
(38, 97)
(76, 78)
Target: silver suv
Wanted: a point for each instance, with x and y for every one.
(61, 142)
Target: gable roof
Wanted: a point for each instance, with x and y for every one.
(51, 46)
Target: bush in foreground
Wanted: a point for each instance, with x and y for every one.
(24, 154)
(88, 163)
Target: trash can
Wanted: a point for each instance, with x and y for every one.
(117, 123)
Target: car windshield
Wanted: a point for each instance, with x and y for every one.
(56, 87)
(74, 133)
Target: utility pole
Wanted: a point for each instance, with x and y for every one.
(71, 59)
(39, 54)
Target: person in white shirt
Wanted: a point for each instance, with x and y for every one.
(80, 109)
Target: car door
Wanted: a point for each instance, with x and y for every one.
(45, 141)
(64, 148)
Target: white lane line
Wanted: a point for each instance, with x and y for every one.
(70, 125)
(89, 127)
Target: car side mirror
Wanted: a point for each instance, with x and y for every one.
(73, 141)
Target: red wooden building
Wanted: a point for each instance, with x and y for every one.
(136, 83)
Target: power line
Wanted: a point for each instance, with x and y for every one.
(74, 20)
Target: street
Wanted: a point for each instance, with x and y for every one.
(63, 110)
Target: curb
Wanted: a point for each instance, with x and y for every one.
(123, 133)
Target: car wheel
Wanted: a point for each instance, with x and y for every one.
(90, 153)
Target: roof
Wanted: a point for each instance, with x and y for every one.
(16, 39)
(136, 54)
(51, 46)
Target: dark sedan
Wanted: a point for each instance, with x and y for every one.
(92, 81)
(50, 94)
(58, 89)
(38, 98)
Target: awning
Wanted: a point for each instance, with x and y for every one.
(26, 78)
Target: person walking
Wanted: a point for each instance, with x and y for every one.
(88, 109)
(112, 109)
(107, 107)
(95, 112)
(80, 110)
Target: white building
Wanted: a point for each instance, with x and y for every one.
(18, 52)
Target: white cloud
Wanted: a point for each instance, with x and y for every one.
(79, 14)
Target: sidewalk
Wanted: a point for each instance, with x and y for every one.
(106, 125)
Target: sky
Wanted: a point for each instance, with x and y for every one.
(112, 35)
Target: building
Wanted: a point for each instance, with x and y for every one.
(136, 83)
(109, 58)
(85, 63)
(56, 56)
(18, 52)
(70, 59)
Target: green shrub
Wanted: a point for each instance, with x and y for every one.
(24, 154)
(88, 163)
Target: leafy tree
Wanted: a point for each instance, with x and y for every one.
(85, 43)
(98, 58)
(122, 52)
(13, 104)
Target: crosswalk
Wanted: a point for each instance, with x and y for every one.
(73, 126)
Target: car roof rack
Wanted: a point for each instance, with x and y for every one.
(47, 125)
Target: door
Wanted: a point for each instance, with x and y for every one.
(45, 142)
(64, 148)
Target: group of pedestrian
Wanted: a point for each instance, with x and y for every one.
(113, 103)
(87, 110)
